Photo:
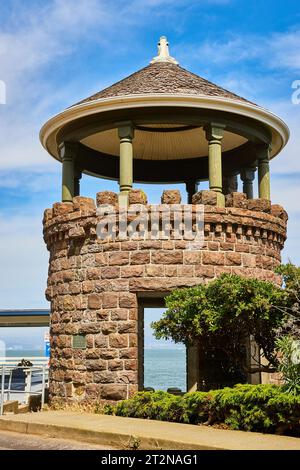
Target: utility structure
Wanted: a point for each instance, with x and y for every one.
(162, 124)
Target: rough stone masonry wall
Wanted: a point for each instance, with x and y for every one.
(93, 284)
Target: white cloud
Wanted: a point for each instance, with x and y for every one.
(288, 160)
(285, 51)
(274, 51)
(24, 260)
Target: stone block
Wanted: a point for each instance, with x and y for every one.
(119, 314)
(96, 364)
(232, 259)
(110, 272)
(140, 257)
(129, 353)
(108, 327)
(94, 301)
(118, 259)
(69, 303)
(171, 196)
(107, 197)
(127, 300)
(213, 258)
(259, 205)
(110, 299)
(132, 271)
(104, 377)
(167, 257)
(100, 341)
(116, 364)
(127, 377)
(236, 199)
(205, 197)
(127, 327)
(278, 211)
(83, 203)
(118, 341)
(48, 214)
(62, 208)
(76, 232)
(113, 392)
(206, 272)
(137, 196)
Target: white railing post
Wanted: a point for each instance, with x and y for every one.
(27, 384)
(43, 387)
(9, 384)
(2, 390)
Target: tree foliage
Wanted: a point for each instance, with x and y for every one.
(291, 308)
(223, 314)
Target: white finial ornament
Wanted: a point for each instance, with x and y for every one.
(163, 52)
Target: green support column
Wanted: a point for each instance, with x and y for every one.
(247, 176)
(126, 134)
(78, 176)
(68, 156)
(264, 191)
(229, 184)
(191, 188)
(214, 135)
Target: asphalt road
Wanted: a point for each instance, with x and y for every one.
(17, 441)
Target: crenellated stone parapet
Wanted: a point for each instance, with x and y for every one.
(94, 285)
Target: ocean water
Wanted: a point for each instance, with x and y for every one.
(163, 368)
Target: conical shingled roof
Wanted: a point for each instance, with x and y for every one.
(162, 84)
(164, 78)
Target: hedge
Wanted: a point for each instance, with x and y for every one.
(261, 408)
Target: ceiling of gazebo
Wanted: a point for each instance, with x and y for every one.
(160, 143)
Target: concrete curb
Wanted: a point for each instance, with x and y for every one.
(111, 439)
(124, 433)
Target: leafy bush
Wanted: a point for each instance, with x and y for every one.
(291, 283)
(220, 315)
(289, 364)
(261, 408)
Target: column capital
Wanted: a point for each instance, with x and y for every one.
(126, 130)
(68, 150)
(262, 151)
(248, 173)
(214, 131)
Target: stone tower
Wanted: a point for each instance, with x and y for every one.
(163, 124)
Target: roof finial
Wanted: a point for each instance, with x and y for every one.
(163, 52)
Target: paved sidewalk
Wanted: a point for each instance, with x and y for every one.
(123, 433)
(16, 441)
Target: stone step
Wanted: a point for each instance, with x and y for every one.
(23, 408)
(10, 406)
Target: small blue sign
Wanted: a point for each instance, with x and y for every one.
(47, 345)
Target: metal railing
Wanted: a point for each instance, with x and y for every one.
(14, 360)
(39, 372)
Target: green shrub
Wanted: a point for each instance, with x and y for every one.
(289, 364)
(261, 408)
(218, 317)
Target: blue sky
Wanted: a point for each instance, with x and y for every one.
(54, 53)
